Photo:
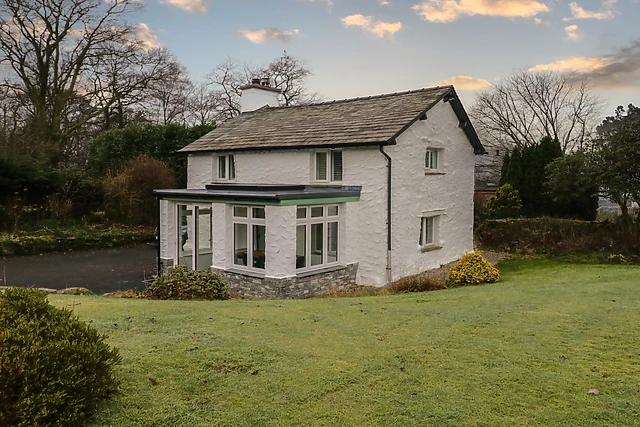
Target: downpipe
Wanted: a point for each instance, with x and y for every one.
(389, 275)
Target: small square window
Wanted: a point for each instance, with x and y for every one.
(332, 210)
(431, 159)
(317, 212)
(257, 213)
(301, 213)
(239, 212)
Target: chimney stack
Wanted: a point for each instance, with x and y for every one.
(257, 94)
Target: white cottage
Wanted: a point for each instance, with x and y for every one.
(293, 202)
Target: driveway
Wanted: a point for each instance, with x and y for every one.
(100, 270)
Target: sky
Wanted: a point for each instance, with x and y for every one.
(368, 47)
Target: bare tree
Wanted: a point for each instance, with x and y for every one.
(202, 105)
(63, 50)
(169, 96)
(286, 73)
(529, 105)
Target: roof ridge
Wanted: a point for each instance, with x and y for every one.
(361, 98)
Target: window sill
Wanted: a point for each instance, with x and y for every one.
(320, 270)
(250, 273)
(430, 248)
(433, 172)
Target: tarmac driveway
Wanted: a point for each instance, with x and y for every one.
(101, 270)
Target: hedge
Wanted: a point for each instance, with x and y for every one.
(91, 237)
(552, 236)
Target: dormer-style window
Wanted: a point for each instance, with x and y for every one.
(226, 167)
(328, 166)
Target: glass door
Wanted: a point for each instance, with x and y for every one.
(195, 244)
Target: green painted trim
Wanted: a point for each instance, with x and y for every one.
(227, 201)
(293, 202)
(322, 201)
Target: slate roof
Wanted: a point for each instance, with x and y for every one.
(373, 120)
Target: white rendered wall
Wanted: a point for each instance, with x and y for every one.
(254, 98)
(414, 192)
(280, 241)
(199, 170)
(168, 233)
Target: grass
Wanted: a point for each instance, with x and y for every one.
(521, 352)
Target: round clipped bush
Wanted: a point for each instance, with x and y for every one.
(473, 269)
(182, 283)
(53, 367)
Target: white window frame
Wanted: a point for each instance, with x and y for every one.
(434, 218)
(229, 164)
(194, 232)
(325, 220)
(432, 153)
(330, 166)
(249, 221)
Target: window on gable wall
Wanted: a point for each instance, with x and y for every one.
(227, 167)
(431, 159)
(429, 231)
(328, 166)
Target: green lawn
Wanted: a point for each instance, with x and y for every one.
(521, 352)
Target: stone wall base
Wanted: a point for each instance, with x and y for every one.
(166, 265)
(306, 286)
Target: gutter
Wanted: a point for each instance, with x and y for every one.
(389, 275)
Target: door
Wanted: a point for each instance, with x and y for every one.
(195, 244)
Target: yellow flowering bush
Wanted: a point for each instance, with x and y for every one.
(473, 269)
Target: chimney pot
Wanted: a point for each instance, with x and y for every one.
(255, 81)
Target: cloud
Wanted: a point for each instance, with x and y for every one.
(147, 36)
(577, 12)
(620, 69)
(189, 5)
(465, 83)
(259, 36)
(377, 29)
(327, 4)
(573, 32)
(384, 3)
(573, 63)
(450, 10)
(539, 21)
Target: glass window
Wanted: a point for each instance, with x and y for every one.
(427, 230)
(321, 166)
(301, 246)
(336, 166)
(222, 167)
(317, 236)
(317, 244)
(332, 242)
(431, 159)
(240, 244)
(185, 236)
(258, 237)
(250, 233)
(204, 241)
(232, 166)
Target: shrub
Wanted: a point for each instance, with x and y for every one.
(415, 283)
(129, 193)
(183, 283)
(505, 204)
(473, 269)
(53, 368)
(78, 238)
